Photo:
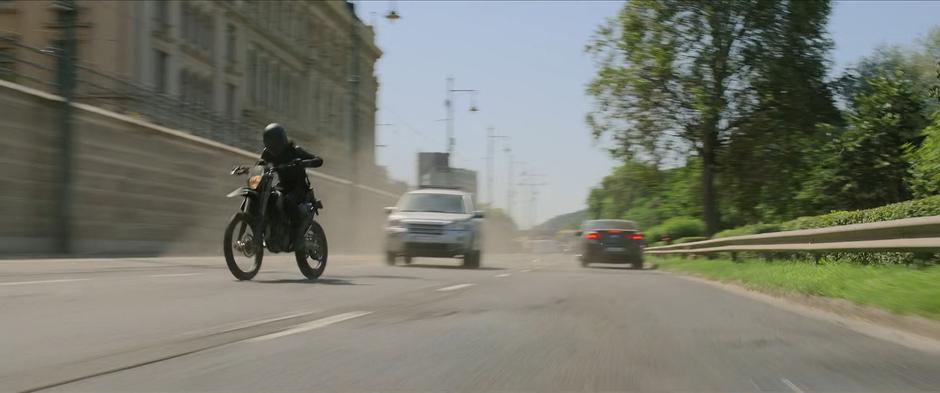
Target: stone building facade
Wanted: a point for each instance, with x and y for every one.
(247, 61)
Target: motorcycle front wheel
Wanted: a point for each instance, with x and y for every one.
(243, 252)
(312, 252)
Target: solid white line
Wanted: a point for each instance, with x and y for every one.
(453, 287)
(792, 386)
(308, 326)
(174, 275)
(3, 284)
(503, 275)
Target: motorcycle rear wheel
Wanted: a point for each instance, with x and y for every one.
(313, 248)
(240, 244)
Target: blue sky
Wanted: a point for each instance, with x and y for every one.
(527, 60)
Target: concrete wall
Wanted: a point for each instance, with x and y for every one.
(140, 188)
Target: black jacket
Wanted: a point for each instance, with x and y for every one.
(293, 177)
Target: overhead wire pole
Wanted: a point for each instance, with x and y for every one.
(510, 184)
(490, 141)
(531, 181)
(449, 104)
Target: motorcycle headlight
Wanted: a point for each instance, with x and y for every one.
(254, 181)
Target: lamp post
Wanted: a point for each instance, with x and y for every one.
(449, 104)
(392, 14)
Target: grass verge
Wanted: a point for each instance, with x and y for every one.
(899, 289)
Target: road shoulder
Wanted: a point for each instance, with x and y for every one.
(910, 331)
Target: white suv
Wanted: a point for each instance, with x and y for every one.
(434, 222)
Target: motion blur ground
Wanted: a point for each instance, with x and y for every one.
(121, 120)
(520, 323)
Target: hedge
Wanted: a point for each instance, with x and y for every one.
(752, 229)
(676, 228)
(690, 239)
(916, 208)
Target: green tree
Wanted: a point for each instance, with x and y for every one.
(683, 76)
(925, 162)
(764, 162)
(925, 159)
(643, 193)
(865, 166)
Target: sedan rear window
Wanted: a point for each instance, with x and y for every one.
(609, 224)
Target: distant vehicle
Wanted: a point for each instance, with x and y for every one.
(610, 241)
(434, 222)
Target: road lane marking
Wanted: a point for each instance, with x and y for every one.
(525, 270)
(264, 321)
(3, 284)
(792, 386)
(503, 275)
(308, 326)
(454, 287)
(174, 275)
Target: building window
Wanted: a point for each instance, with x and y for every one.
(208, 91)
(230, 42)
(185, 21)
(252, 76)
(274, 95)
(262, 83)
(209, 35)
(230, 101)
(285, 92)
(163, 14)
(160, 71)
(184, 86)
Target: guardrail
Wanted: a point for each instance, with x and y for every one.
(921, 234)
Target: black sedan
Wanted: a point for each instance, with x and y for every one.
(610, 241)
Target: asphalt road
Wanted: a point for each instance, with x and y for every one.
(521, 323)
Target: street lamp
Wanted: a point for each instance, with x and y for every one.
(392, 14)
(449, 104)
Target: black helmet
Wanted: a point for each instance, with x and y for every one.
(275, 138)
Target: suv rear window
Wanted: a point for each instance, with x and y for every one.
(609, 224)
(437, 203)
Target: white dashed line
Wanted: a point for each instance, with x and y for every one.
(308, 326)
(503, 275)
(792, 386)
(4, 284)
(454, 287)
(525, 271)
(174, 275)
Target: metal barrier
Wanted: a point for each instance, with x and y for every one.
(921, 234)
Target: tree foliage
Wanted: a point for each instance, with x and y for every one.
(737, 93)
(865, 165)
(681, 77)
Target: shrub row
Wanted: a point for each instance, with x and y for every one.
(676, 228)
(916, 208)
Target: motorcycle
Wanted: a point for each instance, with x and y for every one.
(262, 224)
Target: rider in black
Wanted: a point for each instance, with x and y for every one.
(293, 183)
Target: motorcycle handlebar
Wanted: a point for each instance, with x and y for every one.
(243, 169)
